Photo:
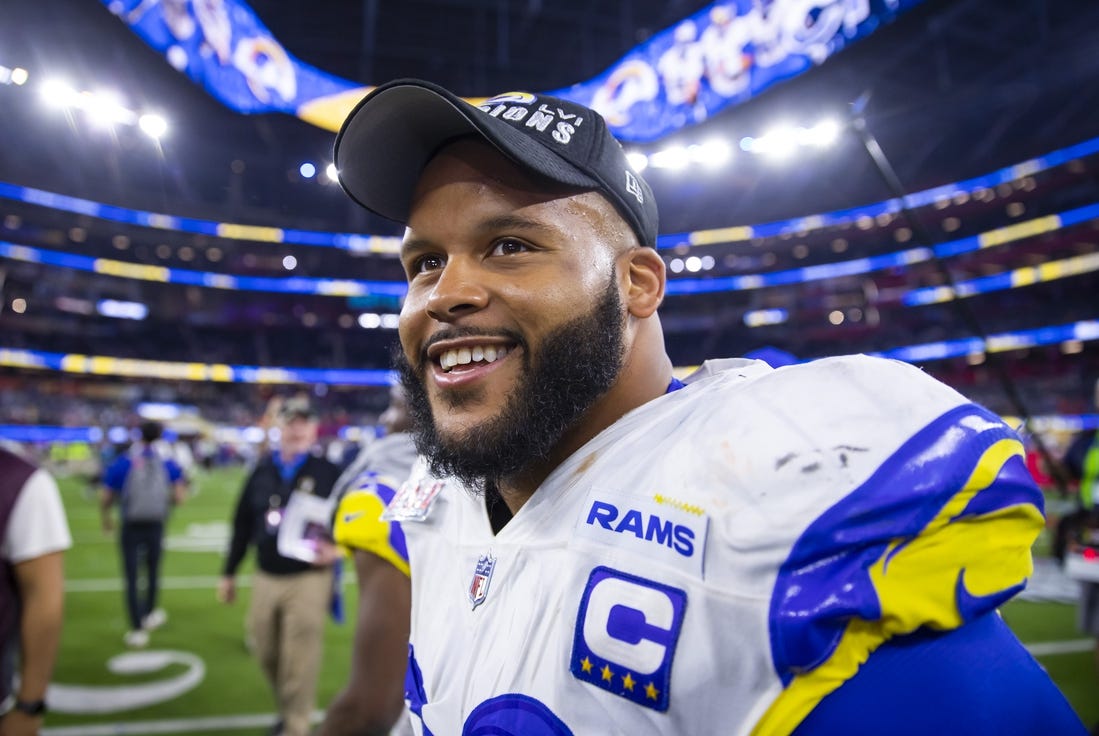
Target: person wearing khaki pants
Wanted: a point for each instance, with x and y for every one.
(286, 621)
(290, 594)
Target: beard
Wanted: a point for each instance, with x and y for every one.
(576, 364)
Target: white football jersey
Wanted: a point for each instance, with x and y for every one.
(718, 560)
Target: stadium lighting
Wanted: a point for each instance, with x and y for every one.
(712, 153)
(105, 108)
(307, 170)
(638, 161)
(333, 172)
(58, 94)
(370, 321)
(16, 76)
(762, 317)
(153, 125)
(779, 142)
(289, 263)
(822, 134)
(122, 310)
(674, 158)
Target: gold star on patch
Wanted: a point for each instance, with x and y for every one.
(585, 664)
(651, 692)
(628, 682)
(607, 673)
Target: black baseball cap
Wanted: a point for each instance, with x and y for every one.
(297, 406)
(388, 139)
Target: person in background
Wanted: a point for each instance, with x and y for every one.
(599, 547)
(289, 603)
(145, 485)
(1081, 460)
(34, 535)
(371, 702)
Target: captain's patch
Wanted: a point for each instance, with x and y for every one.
(626, 631)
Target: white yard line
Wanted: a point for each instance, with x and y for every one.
(174, 725)
(1046, 648)
(114, 585)
(193, 582)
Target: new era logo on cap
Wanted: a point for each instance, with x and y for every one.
(633, 186)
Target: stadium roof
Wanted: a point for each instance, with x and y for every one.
(955, 88)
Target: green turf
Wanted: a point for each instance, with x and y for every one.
(95, 619)
(233, 685)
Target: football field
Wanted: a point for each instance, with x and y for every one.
(197, 676)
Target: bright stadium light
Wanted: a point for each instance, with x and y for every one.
(674, 158)
(122, 309)
(333, 172)
(638, 161)
(153, 125)
(822, 134)
(307, 170)
(712, 153)
(106, 108)
(763, 317)
(778, 142)
(16, 76)
(289, 263)
(58, 93)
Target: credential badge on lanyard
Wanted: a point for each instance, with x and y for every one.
(413, 500)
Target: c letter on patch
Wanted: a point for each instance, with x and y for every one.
(626, 632)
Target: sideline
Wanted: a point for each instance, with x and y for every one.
(175, 725)
(193, 582)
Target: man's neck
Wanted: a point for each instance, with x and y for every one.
(517, 489)
(287, 454)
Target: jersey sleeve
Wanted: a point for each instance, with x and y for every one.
(937, 536)
(357, 523)
(977, 680)
(115, 475)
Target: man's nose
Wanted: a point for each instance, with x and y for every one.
(460, 289)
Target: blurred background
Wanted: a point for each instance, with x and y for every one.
(929, 191)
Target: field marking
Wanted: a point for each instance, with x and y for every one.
(1071, 646)
(177, 582)
(175, 725)
(101, 699)
(114, 585)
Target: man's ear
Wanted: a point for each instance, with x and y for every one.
(647, 276)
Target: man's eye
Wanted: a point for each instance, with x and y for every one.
(423, 264)
(509, 247)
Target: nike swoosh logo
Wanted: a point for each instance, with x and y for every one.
(348, 518)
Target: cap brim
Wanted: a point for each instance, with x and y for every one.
(388, 139)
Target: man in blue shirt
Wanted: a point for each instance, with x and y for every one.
(145, 484)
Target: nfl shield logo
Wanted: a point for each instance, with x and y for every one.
(482, 575)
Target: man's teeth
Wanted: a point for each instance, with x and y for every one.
(465, 356)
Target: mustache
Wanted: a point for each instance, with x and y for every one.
(456, 333)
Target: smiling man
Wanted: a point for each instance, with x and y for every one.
(597, 547)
